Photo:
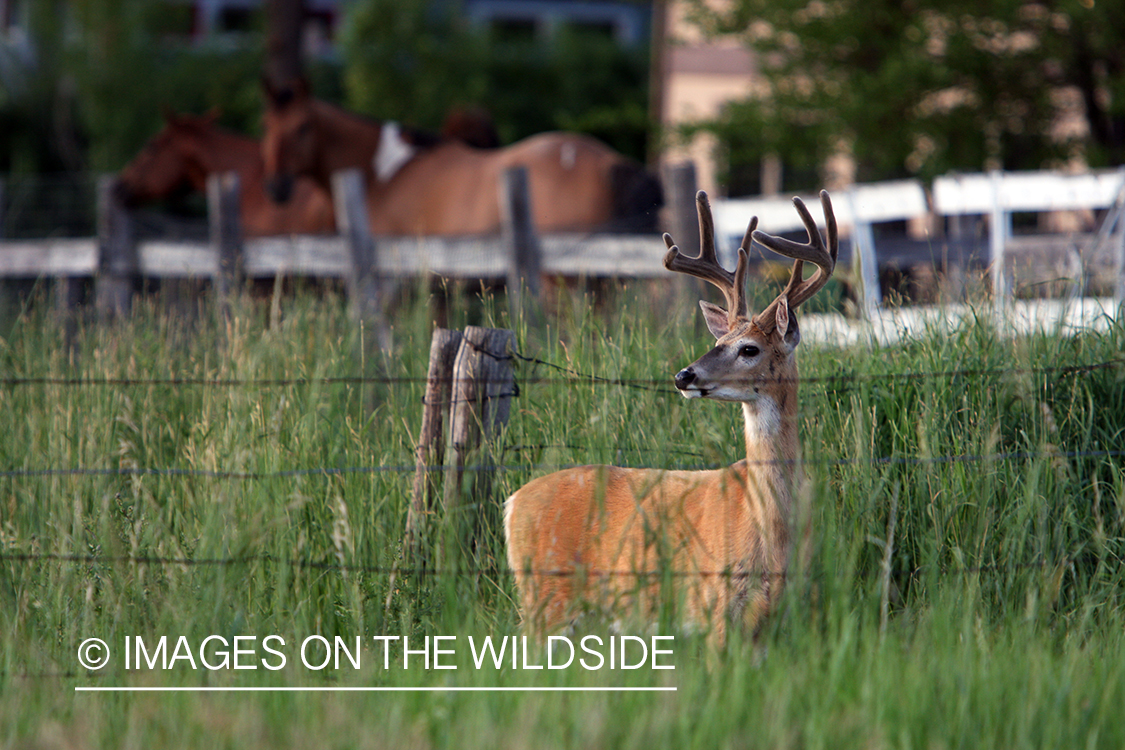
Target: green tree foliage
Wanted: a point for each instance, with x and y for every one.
(926, 86)
(32, 102)
(129, 67)
(96, 74)
(405, 61)
(99, 75)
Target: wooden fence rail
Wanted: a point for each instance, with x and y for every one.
(519, 255)
(329, 256)
(116, 259)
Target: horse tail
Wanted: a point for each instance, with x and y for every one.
(637, 197)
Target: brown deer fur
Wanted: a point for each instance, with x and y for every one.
(604, 537)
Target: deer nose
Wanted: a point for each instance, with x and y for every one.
(684, 378)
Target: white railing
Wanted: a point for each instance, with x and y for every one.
(1000, 194)
(856, 210)
(996, 195)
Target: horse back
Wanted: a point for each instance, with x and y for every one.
(576, 183)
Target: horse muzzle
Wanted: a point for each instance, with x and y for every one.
(280, 188)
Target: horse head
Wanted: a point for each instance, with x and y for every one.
(169, 160)
(289, 144)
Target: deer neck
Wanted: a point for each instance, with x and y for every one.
(770, 423)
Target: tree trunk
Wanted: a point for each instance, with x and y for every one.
(284, 19)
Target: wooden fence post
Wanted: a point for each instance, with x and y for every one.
(118, 263)
(518, 231)
(683, 218)
(1118, 213)
(999, 231)
(863, 249)
(1119, 290)
(3, 282)
(683, 225)
(348, 195)
(431, 439)
(483, 385)
(224, 217)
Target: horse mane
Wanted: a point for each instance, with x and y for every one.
(422, 139)
(480, 133)
(204, 126)
(473, 125)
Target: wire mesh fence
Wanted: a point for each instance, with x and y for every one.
(692, 459)
(536, 372)
(564, 375)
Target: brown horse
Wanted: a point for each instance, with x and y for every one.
(190, 147)
(427, 185)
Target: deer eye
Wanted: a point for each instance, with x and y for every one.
(749, 351)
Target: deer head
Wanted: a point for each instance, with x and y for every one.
(751, 351)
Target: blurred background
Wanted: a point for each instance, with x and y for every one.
(764, 98)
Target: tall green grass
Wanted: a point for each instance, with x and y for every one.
(962, 587)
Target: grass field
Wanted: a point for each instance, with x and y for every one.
(184, 477)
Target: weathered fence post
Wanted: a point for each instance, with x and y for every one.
(1118, 210)
(999, 231)
(224, 217)
(518, 231)
(431, 439)
(348, 195)
(682, 187)
(1119, 291)
(118, 262)
(863, 247)
(483, 385)
(683, 222)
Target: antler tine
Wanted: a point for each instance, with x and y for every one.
(707, 266)
(814, 251)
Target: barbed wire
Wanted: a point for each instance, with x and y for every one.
(327, 471)
(868, 377)
(574, 375)
(495, 571)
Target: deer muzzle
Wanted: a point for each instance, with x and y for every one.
(687, 385)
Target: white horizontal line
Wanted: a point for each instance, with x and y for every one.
(373, 689)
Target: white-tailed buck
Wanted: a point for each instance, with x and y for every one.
(603, 535)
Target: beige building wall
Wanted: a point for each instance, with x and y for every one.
(699, 77)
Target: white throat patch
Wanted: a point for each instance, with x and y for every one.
(393, 152)
(763, 420)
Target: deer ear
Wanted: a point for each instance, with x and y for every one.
(781, 315)
(716, 319)
(787, 324)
